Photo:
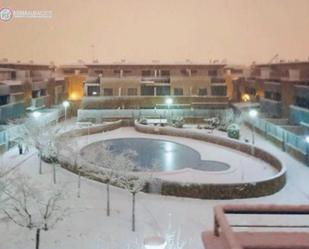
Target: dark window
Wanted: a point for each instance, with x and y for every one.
(302, 102)
(165, 73)
(93, 90)
(218, 90)
(184, 72)
(98, 71)
(272, 95)
(147, 90)
(250, 90)
(146, 73)
(178, 91)
(193, 71)
(132, 91)
(4, 99)
(43, 92)
(108, 91)
(35, 94)
(212, 72)
(202, 91)
(163, 90)
(13, 75)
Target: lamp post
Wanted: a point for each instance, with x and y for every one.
(155, 242)
(253, 114)
(168, 101)
(65, 104)
(307, 149)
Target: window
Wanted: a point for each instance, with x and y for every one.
(250, 90)
(108, 91)
(43, 92)
(132, 91)
(165, 73)
(146, 73)
(218, 90)
(302, 102)
(4, 99)
(35, 94)
(212, 72)
(98, 71)
(202, 91)
(272, 95)
(93, 90)
(178, 91)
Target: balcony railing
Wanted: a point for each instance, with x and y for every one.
(217, 80)
(158, 79)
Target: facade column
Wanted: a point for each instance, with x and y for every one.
(155, 91)
(119, 91)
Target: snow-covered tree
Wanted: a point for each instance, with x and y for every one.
(134, 184)
(43, 137)
(29, 207)
(110, 166)
(71, 152)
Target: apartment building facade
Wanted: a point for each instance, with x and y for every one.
(28, 86)
(147, 84)
(282, 89)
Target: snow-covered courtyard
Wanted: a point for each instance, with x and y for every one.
(86, 226)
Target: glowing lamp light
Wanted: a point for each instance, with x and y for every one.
(169, 101)
(73, 96)
(155, 242)
(36, 114)
(253, 113)
(66, 104)
(94, 93)
(245, 98)
(307, 139)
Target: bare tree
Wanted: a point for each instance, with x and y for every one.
(109, 166)
(28, 207)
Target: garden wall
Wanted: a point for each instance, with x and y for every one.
(220, 191)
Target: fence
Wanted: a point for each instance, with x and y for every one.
(284, 136)
(99, 115)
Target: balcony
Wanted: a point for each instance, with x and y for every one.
(11, 111)
(272, 108)
(155, 80)
(217, 80)
(39, 102)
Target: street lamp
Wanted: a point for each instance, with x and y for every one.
(307, 148)
(36, 114)
(253, 114)
(168, 101)
(65, 104)
(155, 242)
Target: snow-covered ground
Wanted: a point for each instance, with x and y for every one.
(87, 227)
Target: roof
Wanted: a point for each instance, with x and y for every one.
(7, 70)
(12, 82)
(155, 64)
(286, 63)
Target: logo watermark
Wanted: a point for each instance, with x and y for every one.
(6, 14)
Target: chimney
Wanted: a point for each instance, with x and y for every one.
(18, 61)
(80, 61)
(31, 61)
(95, 61)
(123, 61)
(4, 60)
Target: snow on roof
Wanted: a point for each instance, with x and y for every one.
(12, 82)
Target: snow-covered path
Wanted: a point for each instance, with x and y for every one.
(87, 227)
